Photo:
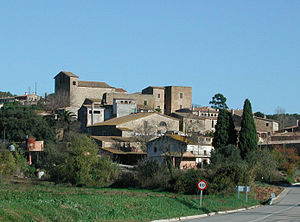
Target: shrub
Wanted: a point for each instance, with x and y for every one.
(77, 162)
(186, 181)
(12, 163)
(151, 174)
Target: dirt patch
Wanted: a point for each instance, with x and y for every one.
(263, 193)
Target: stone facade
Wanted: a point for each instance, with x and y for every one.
(67, 85)
(176, 98)
(189, 122)
(158, 94)
(179, 150)
(137, 123)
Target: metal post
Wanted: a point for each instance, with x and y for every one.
(246, 196)
(201, 198)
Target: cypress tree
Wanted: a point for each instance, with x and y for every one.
(225, 133)
(248, 133)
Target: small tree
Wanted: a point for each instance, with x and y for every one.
(248, 133)
(219, 102)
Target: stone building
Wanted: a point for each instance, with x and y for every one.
(152, 123)
(75, 92)
(158, 94)
(91, 112)
(123, 107)
(176, 98)
(179, 150)
(189, 122)
(144, 102)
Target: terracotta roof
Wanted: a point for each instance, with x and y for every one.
(205, 108)
(92, 100)
(70, 74)
(93, 84)
(120, 90)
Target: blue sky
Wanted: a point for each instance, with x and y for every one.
(242, 49)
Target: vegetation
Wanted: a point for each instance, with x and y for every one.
(248, 134)
(60, 203)
(5, 94)
(225, 133)
(218, 101)
(17, 122)
(76, 162)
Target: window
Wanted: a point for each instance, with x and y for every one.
(97, 112)
(267, 124)
(74, 83)
(181, 95)
(204, 152)
(163, 123)
(155, 149)
(180, 106)
(145, 102)
(90, 112)
(158, 107)
(158, 95)
(126, 102)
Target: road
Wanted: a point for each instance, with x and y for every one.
(288, 209)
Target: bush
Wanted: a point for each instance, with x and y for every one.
(225, 178)
(12, 163)
(77, 162)
(186, 181)
(127, 180)
(151, 174)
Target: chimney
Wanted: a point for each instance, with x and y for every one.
(298, 123)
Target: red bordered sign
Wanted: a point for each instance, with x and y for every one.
(202, 185)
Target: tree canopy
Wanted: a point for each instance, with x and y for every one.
(225, 133)
(5, 94)
(17, 121)
(248, 133)
(219, 101)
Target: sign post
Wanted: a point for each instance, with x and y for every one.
(243, 189)
(202, 185)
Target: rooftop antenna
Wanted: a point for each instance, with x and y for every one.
(28, 90)
(35, 88)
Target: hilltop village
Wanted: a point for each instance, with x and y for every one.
(153, 123)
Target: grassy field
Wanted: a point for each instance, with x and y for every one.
(26, 202)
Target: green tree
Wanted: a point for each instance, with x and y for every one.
(259, 114)
(5, 94)
(219, 101)
(248, 133)
(77, 162)
(225, 133)
(17, 121)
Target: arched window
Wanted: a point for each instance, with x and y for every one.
(163, 123)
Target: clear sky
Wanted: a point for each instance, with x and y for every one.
(242, 49)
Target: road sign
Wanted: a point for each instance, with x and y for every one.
(243, 189)
(202, 185)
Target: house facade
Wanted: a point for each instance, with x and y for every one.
(179, 150)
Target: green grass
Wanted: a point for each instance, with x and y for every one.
(21, 202)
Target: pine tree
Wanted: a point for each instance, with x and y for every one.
(225, 133)
(248, 133)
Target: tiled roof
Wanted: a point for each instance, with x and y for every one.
(121, 90)
(70, 74)
(128, 118)
(189, 115)
(123, 119)
(93, 84)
